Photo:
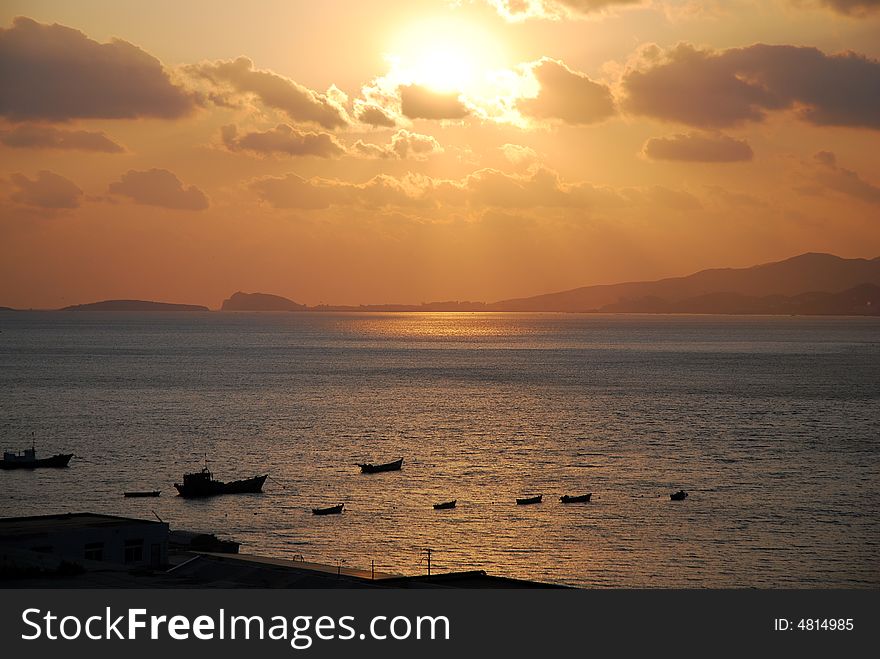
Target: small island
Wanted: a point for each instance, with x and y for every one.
(134, 305)
(260, 302)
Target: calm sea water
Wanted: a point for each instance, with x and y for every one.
(772, 425)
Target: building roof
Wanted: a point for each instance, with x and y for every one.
(16, 526)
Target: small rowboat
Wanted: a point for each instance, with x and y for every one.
(446, 505)
(330, 510)
(135, 495)
(581, 498)
(525, 501)
(681, 495)
(369, 468)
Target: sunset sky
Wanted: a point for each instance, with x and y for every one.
(352, 152)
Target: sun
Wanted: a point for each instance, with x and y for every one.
(445, 68)
(446, 55)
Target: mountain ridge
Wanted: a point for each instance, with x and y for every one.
(809, 283)
(805, 273)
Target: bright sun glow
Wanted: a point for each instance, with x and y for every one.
(446, 55)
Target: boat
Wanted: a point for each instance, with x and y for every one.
(681, 495)
(368, 468)
(28, 459)
(136, 495)
(580, 498)
(330, 510)
(202, 484)
(525, 501)
(446, 505)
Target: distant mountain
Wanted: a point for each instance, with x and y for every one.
(134, 305)
(260, 302)
(424, 307)
(806, 284)
(862, 300)
(6, 309)
(808, 273)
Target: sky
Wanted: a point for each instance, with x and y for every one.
(405, 151)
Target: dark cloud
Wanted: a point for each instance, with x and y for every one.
(567, 95)
(57, 73)
(715, 89)
(844, 181)
(48, 190)
(283, 139)
(159, 187)
(417, 102)
(698, 147)
(852, 7)
(298, 102)
(374, 116)
(404, 145)
(29, 136)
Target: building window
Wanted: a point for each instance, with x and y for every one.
(94, 551)
(134, 551)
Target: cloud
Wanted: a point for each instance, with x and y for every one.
(159, 187)
(283, 139)
(520, 10)
(519, 155)
(417, 102)
(404, 145)
(48, 190)
(844, 181)
(373, 115)
(29, 136)
(852, 7)
(296, 101)
(540, 188)
(292, 191)
(57, 73)
(567, 95)
(698, 147)
(721, 88)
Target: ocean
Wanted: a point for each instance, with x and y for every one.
(772, 424)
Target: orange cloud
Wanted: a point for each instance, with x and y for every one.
(404, 145)
(715, 89)
(275, 91)
(417, 102)
(283, 139)
(540, 188)
(373, 115)
(844, 181)
(519, 155)
(48, 190)
(520, 10)
(852, 7)
(698, 147)
(29, 136)
(159, 187)
(567, 95)
(57, 73)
